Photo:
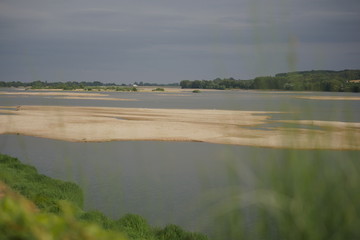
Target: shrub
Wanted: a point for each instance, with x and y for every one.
(174, 232)
(158, 90)
(135, 226)
(98, 218)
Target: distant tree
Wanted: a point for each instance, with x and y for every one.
(185, 84)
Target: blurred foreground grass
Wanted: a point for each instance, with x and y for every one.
(295, 196)
(18, 220)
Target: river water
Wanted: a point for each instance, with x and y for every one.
(170, 182)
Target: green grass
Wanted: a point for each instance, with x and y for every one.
(18, 221)
(45, 192)
(51, 195)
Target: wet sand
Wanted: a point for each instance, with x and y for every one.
(100, 124)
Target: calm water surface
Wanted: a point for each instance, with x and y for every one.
(169, 182)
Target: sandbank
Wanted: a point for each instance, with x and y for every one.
(59, 93)
(96, 98)
(68, 95)
(100, 124)
(172, 89)
(349, 98)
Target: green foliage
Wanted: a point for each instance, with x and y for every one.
(174, 232)
(97, 217)
(18, 221)
(45, 192)
(196, 91)
(158, 90)
(334, 81)
(135, 227)
(220, 84)
(320, 80)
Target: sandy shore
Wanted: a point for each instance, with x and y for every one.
(59, 93)
(97, 124)
(68, 95)
(97, 98)
(350, 98)
(172, 89)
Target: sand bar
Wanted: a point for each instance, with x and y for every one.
(349, 98)
(172, 89)
(97, 98)
(100, 124)
(60, 93)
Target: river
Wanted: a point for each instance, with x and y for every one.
(171, 182)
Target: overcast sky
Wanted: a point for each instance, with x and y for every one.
(166, 41)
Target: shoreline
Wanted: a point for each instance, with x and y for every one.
(104, 94)
(103, 124)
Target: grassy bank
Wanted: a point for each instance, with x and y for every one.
(60, 204)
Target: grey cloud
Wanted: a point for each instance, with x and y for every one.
(168, 41)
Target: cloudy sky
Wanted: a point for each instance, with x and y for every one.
(166, 41)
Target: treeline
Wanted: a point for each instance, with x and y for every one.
(72, 85)
(218, 83)
(320, 80)
(51, 196)
(156, 84)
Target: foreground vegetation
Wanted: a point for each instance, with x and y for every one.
(299, 196)
(311, 195)
(20, 220)
(302, 195)
(61, 213)
(334, 81)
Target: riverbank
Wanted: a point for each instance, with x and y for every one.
(248, 128)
